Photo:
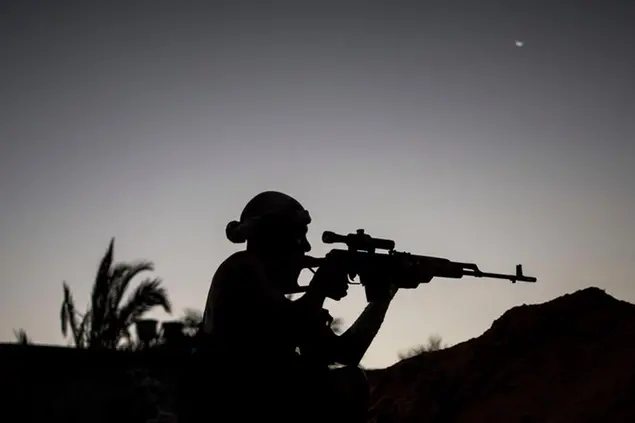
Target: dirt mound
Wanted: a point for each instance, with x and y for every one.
(571, 359)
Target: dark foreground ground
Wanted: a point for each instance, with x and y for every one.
(568, 360)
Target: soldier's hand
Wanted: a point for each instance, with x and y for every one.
(331, 279)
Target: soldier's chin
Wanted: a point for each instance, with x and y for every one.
(292, 289)
(339, 296)
(290, 283)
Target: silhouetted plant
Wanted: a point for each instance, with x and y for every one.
(108, 318)
(21, 337)
(434, 344)
(190, 323)
(192, 320)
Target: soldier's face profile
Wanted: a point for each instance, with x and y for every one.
(301, 242)
(294, 241)
(288, 246)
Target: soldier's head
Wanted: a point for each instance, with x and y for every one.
(274, 224)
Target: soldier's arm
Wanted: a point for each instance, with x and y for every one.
(354, 342)
(323, 345)
(295, 314)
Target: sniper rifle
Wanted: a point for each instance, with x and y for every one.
(410, 270)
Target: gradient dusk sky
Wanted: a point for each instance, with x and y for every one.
(421, 122)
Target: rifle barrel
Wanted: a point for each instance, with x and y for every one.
(513, 278)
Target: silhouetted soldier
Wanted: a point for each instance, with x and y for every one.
(270, 355)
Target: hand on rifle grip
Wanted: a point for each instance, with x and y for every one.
(331, 279)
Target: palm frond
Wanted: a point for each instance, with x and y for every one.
(21, 337)
(108, 318)
(148, 295)
(80, 329)
(68, 315)
(121, 277)
(99, 296)
(64, 320)
(81, 335)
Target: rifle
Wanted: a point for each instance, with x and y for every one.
(410, 270)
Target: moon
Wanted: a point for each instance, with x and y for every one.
(519, 43)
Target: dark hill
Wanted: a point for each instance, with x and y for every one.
(571, 359)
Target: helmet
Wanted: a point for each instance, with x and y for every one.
(269, 207)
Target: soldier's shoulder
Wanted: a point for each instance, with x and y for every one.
(240, 258)
(239, 261)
